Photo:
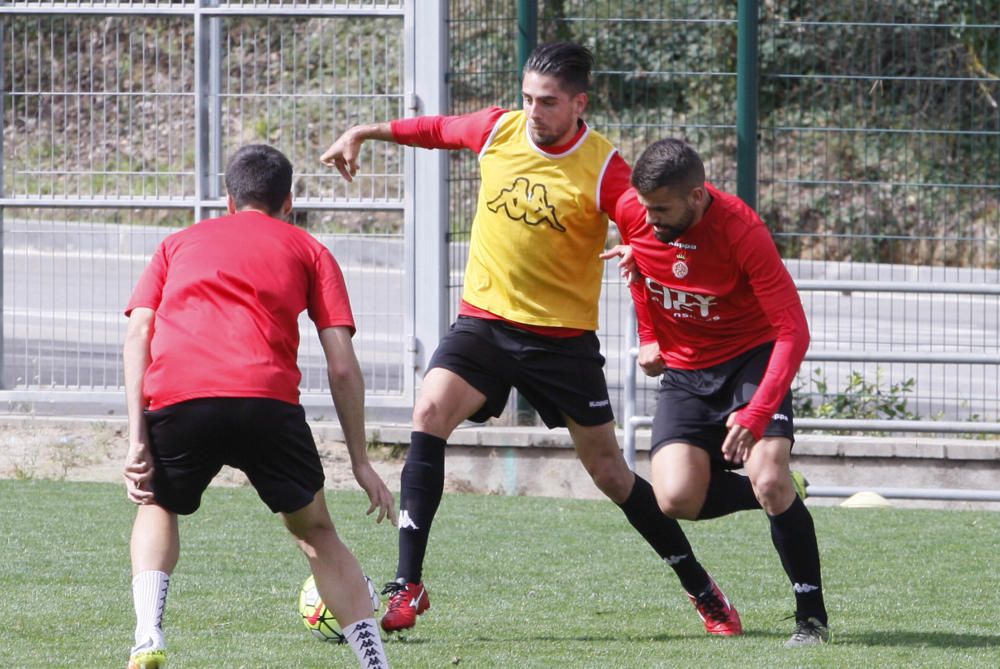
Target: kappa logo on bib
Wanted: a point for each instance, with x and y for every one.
(522, 201)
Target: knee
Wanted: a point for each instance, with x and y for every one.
(428, 416)
(309, 536)
(613, 480)
(425, 415)
(678, 505)
(773, 492)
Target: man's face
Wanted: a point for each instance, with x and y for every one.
(552, 112)
(670, 211)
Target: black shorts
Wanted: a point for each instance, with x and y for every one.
(267, 439)
(556, 375)
(693, 404)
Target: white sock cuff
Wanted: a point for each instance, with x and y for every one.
(157, 577)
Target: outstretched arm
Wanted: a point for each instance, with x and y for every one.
(138, 470)
(343, 153)
(467, 131)
(347, 386)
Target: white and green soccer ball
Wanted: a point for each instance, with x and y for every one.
(318, 619)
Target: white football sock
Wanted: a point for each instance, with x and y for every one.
(367, 644)
(149, 594)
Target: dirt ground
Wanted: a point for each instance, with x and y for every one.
(96, 451)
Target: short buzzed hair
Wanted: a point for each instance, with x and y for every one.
(259, 175)
(668, 162)
(568, 62)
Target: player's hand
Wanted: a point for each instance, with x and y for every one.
(138, 472)
(739, 441)
(626, 266)
(378, 493)
(343, 154)
(650, 360)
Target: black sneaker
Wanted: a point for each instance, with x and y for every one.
(808, 632)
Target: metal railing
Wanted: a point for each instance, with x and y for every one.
(118, 118)
(632, 420)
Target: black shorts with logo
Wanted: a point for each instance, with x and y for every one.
(693, 404)
(556, 375)
(267, 439)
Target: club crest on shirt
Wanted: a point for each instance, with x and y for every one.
(522, 201)
(680, 267)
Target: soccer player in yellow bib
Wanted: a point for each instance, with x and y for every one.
(529, 306)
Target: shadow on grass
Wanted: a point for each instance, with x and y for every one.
(594, 638)
(916, 639)
(900, 638)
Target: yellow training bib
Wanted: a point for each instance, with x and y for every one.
(538, 229)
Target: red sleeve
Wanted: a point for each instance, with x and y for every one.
(468, 131)
(615, 181)
(774, 289)
(149, 291)
(647, 334)
(789, 350)
(329, 303)
(758, 257)
(629, 216)
(778, 297)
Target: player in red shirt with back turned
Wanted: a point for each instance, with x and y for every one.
(211, 379)
(721, 320)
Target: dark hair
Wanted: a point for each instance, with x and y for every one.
(568, 62)
(259, 175)
(668, 162)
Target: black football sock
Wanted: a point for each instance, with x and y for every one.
(728, 492)
(421, 487)
(794, 535)
(665, 535)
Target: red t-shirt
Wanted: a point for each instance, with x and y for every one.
(472, 131)
(227, 294)
(716, 291)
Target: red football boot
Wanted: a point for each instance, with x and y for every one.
(406, 602)
(720, 617)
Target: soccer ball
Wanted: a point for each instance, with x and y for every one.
(318, 619)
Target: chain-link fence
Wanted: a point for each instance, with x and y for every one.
(878, 161)
(117, 121)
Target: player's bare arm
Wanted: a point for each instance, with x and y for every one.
(138, 471)
(343, 153)
(347, 387)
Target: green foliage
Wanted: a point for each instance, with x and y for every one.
(514, 582)
(860, 398)
(877, 119)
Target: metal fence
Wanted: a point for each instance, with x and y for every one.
(117, 119)
(878, 161)
(878, 166)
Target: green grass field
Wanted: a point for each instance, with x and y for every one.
(514, 582)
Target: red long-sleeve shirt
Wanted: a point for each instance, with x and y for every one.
(716, 291)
